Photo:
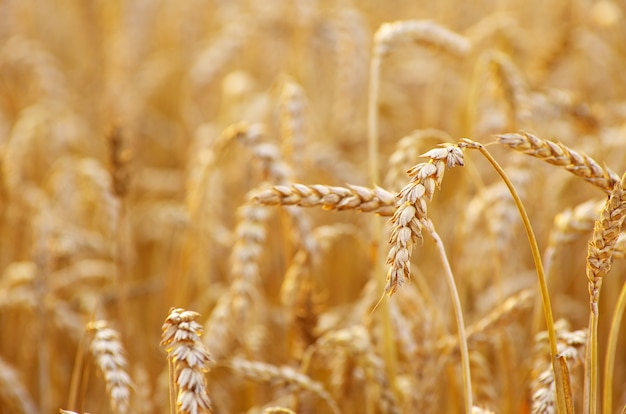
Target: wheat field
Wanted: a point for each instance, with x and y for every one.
(312, 206)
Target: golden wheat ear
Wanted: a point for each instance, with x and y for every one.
(606, 232)
(562, 156)
(108, 352)
(408, 218)
(188, 359)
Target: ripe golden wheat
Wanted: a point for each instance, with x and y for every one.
(272, 182)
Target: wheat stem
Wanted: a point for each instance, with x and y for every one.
(611, 350)
(543, 287)
(458, 313)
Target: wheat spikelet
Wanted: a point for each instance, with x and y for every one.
(406, 151)
(243, 295)
(619, 250)
(605, 234)
(411, 210)
(572, 222)
(512, 84)
(356, 341)
(299, 290)
(423, 32)
(108, 353)
(189, 358)
(219, 325)
(483, 379)
(578, 164)
(119, 156)
(599, 261)
(353, 197)
(571, 345)
(491, 323)
(283, 375)
(275, 170)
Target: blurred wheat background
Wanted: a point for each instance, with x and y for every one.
(135, 136)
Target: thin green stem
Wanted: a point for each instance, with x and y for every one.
(458, 313)
(611, 350)
(543, 287)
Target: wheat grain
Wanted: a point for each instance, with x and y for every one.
(560, 155)
(189, 359)
(619, 250)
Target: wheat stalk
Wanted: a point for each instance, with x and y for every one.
(599, 260)
(560, 155)
(189, 359)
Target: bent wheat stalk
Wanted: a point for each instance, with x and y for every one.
(562, 395)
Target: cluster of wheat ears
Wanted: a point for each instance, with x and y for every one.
(240, 206)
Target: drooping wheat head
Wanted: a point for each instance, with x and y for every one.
(412, 210)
